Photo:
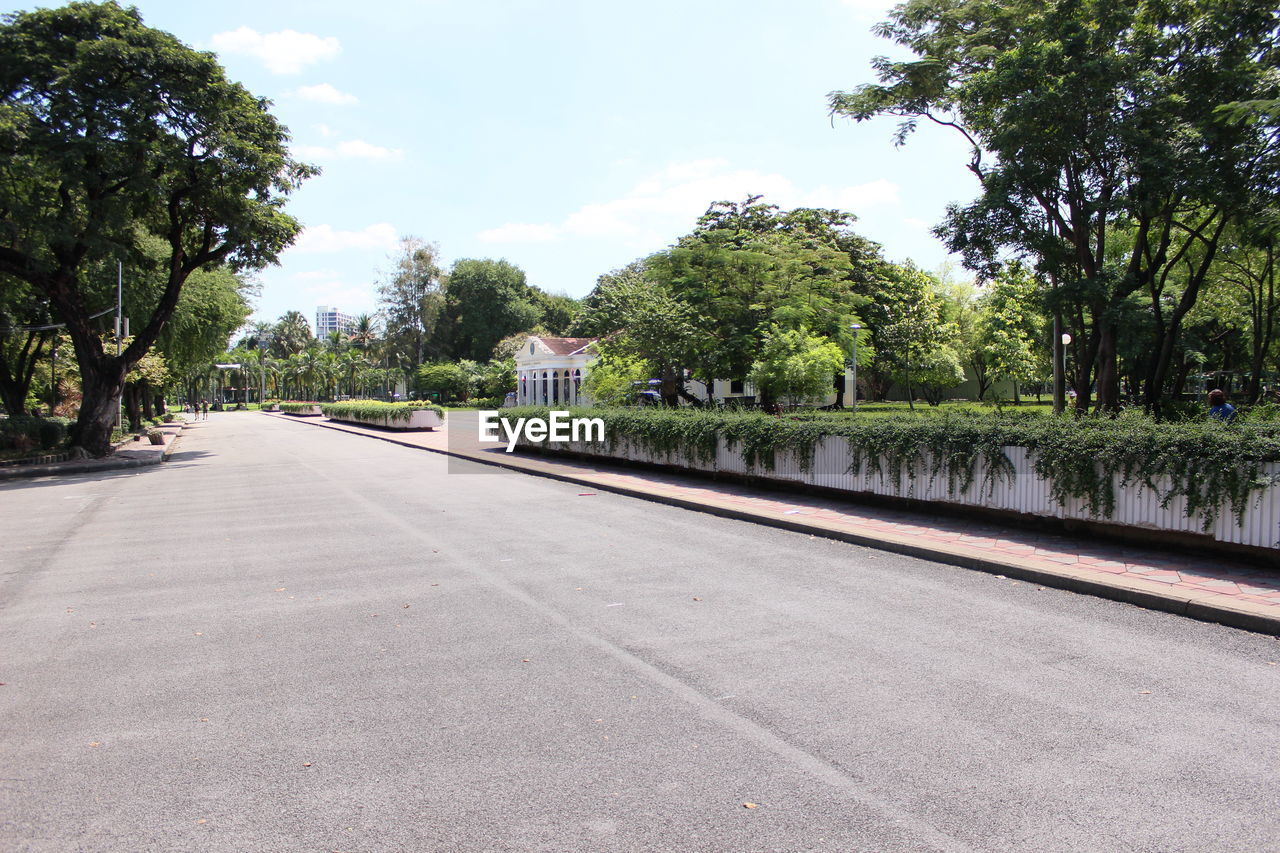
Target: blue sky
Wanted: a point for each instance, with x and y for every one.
(569, 137)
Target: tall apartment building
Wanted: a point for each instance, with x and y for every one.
(330, 319)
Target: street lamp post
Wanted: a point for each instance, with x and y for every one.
(263, 340)
(855, 328)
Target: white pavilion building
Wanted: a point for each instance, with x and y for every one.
(550, 371)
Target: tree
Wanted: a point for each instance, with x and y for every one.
(291, 335)
(904, 318)
(1097, 142)
(148, 375)
(364, 333)
(413, 302)
(213, 304)
(1010, 330)
(648, 325)
(446, 380)
(749, 266)
(1249, 267)
(487, 300)
(795, 365)
(614, 375)
(934, 372)
(557, 311)
(25, 330)
(113, 133)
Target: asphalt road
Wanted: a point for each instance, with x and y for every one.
(292, 639)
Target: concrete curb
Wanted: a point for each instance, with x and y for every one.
(1145, 594)
(94, 466)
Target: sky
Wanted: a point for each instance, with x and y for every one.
(569, 137)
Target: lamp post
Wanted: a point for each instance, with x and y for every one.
(263, 341)
(855, 328)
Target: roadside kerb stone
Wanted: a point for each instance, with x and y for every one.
(129, 454)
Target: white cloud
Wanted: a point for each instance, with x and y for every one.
(317, 239)
(285, 52)
(354, 149)
(670, 201)
(520, 233)
(367, 151)
(323, 93)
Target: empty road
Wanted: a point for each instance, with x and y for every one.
(292, 639)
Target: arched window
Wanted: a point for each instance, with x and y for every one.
(555, 386)
(545, 395)
(577, 382)
(567, 398)
(524, 389)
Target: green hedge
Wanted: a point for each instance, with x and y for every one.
(296, 408)
(1212, 464)
(44, 433)
(376, 409)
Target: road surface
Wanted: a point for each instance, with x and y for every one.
(292, 639)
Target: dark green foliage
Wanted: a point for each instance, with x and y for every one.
(1211, 464)
(114, 135)
(486, 300)
(375, 410)
(44, 433)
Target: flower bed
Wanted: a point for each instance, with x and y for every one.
(403, 416)
(302, 410)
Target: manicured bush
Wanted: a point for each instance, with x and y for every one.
(483, 403)
(296, 408)
(376, 409)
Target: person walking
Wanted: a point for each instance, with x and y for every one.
(204, 410)
(1219, 408)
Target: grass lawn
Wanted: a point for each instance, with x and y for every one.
(897, 408)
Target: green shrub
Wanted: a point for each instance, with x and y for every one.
(483, 403)
(1213, 465)
(376, 409)
(296, 408)
(45, 433)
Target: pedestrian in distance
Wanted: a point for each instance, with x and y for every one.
(1219, 408)
(204, 410)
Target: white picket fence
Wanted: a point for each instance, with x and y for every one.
(1025, 492)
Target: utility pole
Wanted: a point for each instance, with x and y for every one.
(119, 329)
(262, 365)
(856, 328)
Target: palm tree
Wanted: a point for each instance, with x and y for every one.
(292, 334)
(365, 332)
(349, 365)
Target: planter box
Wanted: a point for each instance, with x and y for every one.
(418, 419)
(1137, 507)
(305, 412)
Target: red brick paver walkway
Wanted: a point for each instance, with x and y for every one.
(1215, 589)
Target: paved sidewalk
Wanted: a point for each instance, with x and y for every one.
(1211, 589)
(129, 454)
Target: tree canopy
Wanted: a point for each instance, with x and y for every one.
(1100, 145)
(113, 135)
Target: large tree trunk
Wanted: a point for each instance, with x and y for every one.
(102, 387)
(16, 378)
(1108, 368)
(131, 408)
